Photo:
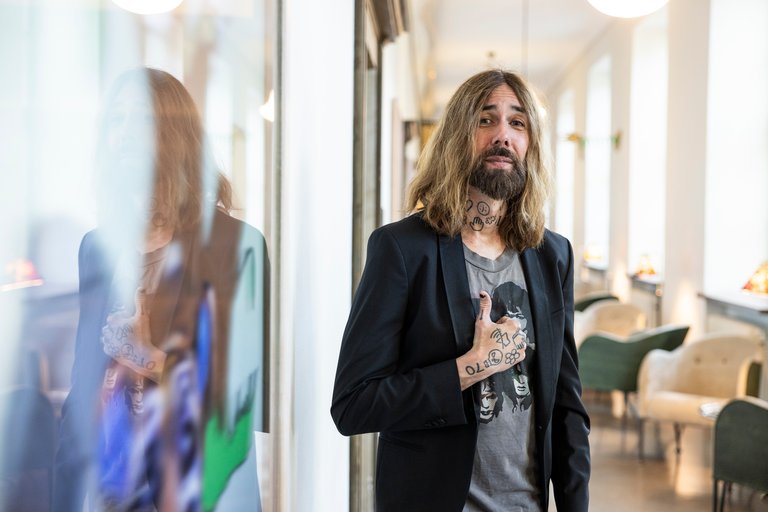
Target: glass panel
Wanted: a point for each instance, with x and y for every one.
(137, 226)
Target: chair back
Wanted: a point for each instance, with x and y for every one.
(741, 443)
(716, 365)
(609, 364)
(587, 300)
(615, 318)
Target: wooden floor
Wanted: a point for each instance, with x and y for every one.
(621, 483)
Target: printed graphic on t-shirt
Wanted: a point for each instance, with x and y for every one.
(510, 390)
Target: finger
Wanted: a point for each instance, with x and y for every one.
(485, 306)
(140, 301)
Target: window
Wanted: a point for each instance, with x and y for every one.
(648, 143)
(597, 163)
(565, 165)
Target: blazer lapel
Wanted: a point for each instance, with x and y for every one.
(457, 290)
(546, 365)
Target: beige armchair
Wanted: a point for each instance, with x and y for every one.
(673, 386)
(608, 317)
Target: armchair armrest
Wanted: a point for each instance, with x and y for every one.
(657, 373)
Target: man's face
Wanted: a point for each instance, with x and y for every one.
(503, 123)
(130, 139)
(501, 142)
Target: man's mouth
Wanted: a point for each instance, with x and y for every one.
(498, 159)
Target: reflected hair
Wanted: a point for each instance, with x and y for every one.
(185, 172)
(440, 186)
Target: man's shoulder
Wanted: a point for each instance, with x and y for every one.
(412, 235)
(554, 244)
(555, 239)
(411, 226)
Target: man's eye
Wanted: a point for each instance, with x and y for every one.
(485, 121)
(518, 123)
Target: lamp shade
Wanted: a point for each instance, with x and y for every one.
(644, 267)
(148, 6)
(627, 8)
(19, 273)
(758, 283)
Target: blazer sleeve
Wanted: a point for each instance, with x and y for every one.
(372, 393)
(76, 433)
(570, 422)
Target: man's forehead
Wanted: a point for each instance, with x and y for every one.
(503, 97)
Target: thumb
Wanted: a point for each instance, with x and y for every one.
(485, 307)
(140, 301)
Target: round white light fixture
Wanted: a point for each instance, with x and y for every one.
(627, 8)
(148, 6)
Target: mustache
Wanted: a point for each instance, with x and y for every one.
(498, 184)
(499, 151)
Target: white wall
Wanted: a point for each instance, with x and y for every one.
(318, 59)
(686, 162)
(716, 156)
(614, 44)
(648, 143)
(737, 144)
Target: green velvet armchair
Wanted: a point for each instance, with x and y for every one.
(611, 363)
(741, 448)
(587, 300)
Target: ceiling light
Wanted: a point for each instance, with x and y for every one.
(148, 6)
(627, 8)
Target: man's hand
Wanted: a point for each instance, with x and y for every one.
(127, 340)
(496, 347)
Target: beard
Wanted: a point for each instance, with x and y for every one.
(499, 184)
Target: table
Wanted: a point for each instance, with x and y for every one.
(748, 307)
(653, 285)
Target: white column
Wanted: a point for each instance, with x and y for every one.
(686, 162)
(316, 216)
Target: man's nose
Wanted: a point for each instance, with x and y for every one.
(502, 137)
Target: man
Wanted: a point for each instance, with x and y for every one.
(433, 319)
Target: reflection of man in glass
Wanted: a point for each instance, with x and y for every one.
(165, 239)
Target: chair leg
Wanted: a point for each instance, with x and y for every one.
(715, 488)
(640, 439)
(678, 433)
(625, 412)
(722, 496)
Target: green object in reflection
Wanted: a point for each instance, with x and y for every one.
(223, 453)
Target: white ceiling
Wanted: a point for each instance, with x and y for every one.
(454, 38)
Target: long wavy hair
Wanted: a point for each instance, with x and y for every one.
(439, 188)
(185, 177)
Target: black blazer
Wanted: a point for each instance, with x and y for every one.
(411, 317)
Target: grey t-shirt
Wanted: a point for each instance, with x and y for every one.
(504, 472)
